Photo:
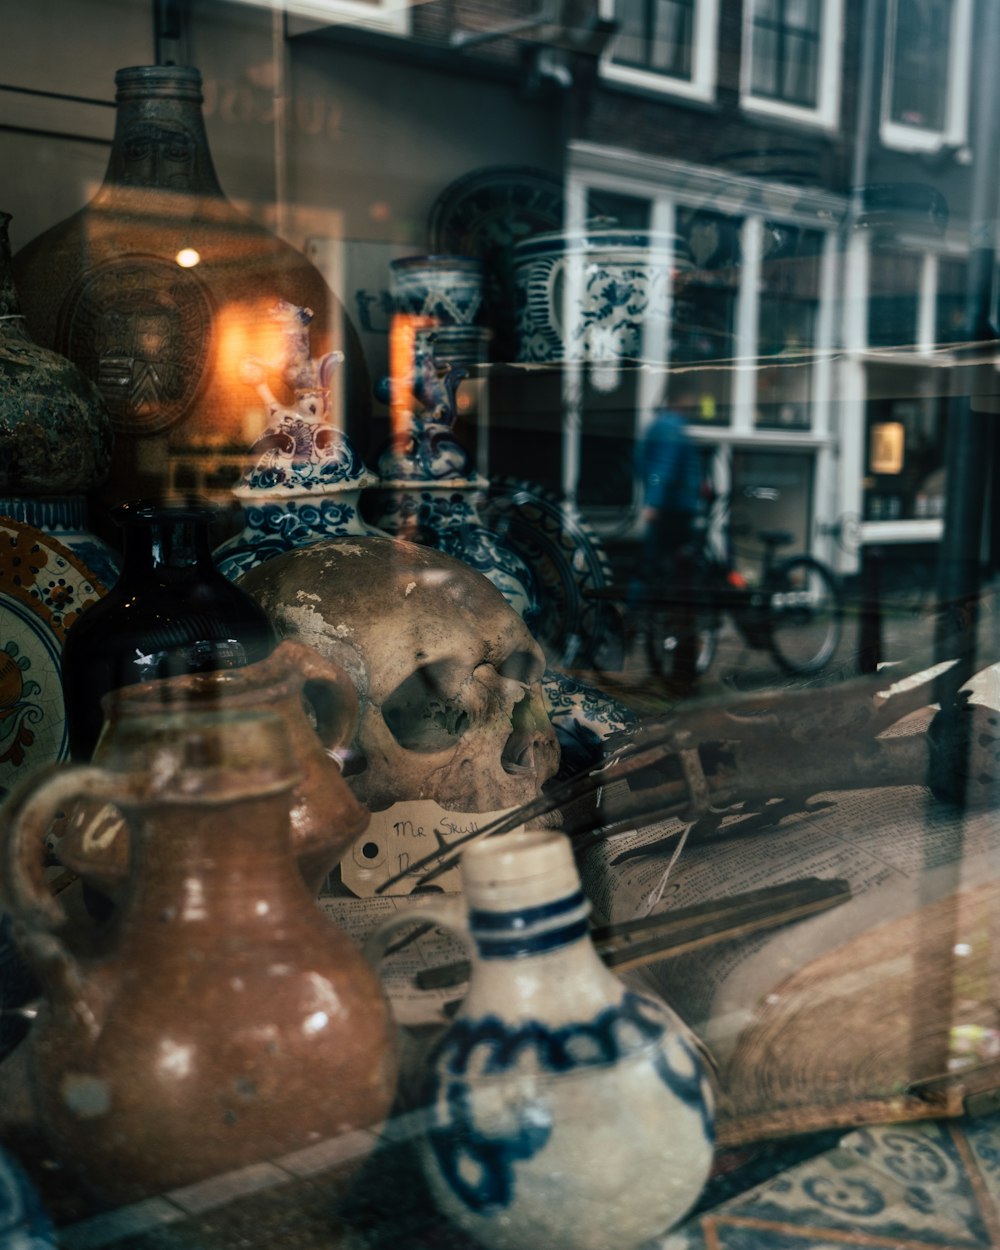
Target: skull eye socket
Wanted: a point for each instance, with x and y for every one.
(421, 715)
(522, 666)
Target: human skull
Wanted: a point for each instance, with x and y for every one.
(447, 675)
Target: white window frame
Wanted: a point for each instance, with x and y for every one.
(907, 138)
(388, 16)
(704, 59)
(826, 114)
(669, 184)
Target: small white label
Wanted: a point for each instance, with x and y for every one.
(403, 835)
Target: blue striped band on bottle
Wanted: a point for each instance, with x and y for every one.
(529, 930)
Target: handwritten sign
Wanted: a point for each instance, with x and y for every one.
(402, 835)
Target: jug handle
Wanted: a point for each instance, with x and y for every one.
(27, 813)
(329, 691)
(449, 913)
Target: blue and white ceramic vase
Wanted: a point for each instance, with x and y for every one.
(448, 289)
(303, 479)
(602, 296)
(562, 1108)
(428, 490)
(55, 435)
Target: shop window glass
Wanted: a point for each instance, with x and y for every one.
(893, 298)
(771, 490)
(786, 39)
(665, 45)
(904, 458)
(704, 322)
(951, 297)
(631, 212)
(656, 35)
(787, 319)
(918, 66)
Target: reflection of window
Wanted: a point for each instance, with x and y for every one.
(665, 44)
(786, 43)
(789, 308)
(386, 15)
(656, 35)
(950, 312)
(791, 65)
(926, 73)
(907, 410)
(703, 331)
(885, 452)
(893, 298)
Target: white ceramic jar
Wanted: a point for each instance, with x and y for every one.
(562, 1107)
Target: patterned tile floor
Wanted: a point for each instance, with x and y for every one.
(899, 1187)
(927, 1186)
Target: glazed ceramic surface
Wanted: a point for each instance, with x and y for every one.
(222, 1020)
(428, 490)
(564, 554)
(583, 717)
(448, 289)
(44, 587)
(55, 432)
(272, 527)
(64, 518)
(316, 701)
(303, 476)
(562, 1109)
(445, 516)
(593, 296)
(483, 214)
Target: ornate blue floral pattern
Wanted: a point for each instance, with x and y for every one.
(478, 1159)
(272, 527)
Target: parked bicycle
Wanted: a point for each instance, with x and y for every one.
(794, 609)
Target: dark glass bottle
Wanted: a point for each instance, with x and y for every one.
(171, 613)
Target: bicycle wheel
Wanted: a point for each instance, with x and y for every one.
(805, 615)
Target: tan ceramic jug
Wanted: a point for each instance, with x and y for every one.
(325, 816)
(222, 1019)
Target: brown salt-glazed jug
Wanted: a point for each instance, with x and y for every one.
(223, 1019)
(325, 817)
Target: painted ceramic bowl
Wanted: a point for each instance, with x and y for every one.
(446, 288)
(600, 295)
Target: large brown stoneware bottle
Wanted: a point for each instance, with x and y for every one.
(160, 290)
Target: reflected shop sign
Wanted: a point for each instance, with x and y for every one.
(255, 103)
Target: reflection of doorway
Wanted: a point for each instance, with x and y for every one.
(771, 490)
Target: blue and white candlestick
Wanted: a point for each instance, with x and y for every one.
(303, 479)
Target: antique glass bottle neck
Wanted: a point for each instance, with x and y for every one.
(160, 141)
(164, 544)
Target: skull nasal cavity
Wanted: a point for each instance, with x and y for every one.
(518, 755)
(419, 713)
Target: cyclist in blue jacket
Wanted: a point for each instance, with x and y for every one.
(668, 465)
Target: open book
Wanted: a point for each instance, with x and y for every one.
(879, 1009)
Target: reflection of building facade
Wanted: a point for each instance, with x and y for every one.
(816, 319)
